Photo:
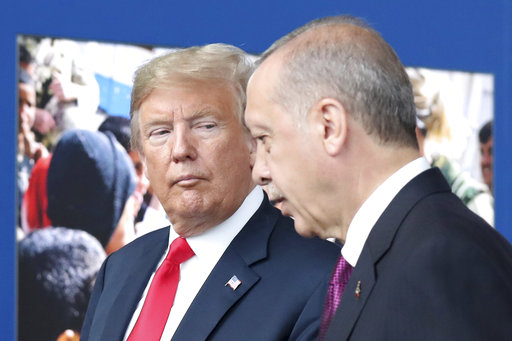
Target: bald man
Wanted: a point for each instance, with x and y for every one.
(332, 110)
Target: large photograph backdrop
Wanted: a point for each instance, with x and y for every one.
(447, 35)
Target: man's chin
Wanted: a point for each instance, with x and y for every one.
(303, 229)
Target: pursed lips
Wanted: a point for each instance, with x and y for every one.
(186, 180)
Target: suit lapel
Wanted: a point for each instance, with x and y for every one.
(215, 298)
(127, 295)
(378, 243)
(362, 278)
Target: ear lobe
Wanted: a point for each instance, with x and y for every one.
(331, 120)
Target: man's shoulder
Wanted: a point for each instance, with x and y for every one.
(139, 246)
(426, 212)
(442, 222)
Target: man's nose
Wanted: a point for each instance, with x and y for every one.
(260, 170)
(183, 147)
(486, 158)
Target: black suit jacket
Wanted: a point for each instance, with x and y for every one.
(284, 279)
(430, 270)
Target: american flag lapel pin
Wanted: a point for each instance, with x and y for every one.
(234, 282)
(358, 289)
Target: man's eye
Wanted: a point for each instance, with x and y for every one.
(158, 133)
(262, 139)
(206, 126)
(264, 142)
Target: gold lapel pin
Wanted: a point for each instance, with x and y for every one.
(358, 289)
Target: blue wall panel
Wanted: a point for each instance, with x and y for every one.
(473, 35)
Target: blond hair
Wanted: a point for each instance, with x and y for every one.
(214, 62)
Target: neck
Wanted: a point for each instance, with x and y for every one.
(368, 173)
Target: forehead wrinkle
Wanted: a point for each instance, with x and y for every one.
(168, 111)
(202, 112)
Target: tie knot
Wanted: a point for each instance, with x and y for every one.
(342, 271)
(180, 251)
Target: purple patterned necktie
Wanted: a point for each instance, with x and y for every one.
(337, 284)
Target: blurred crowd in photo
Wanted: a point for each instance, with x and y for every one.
(61, 91)
(454, 115)
(81, 189)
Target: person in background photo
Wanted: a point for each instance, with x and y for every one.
(486, 154)
(432, 124)
(57, 268)
(230, 266)
(69, 90)
(28, 149)
(150, 214)
(35, 198)
(416, 263)
(90, 187)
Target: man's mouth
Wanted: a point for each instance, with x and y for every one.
(186, 180)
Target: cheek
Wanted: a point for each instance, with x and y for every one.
(290, 173)
(156, 166)
(281, 164)
(229, 153)
(229, 164)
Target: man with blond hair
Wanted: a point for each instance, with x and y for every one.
(416, 263)
(230, 266)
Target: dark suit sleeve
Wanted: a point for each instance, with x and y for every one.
(463, 292)
(308, 323)
(98, 288)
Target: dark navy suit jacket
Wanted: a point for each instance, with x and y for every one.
(430, 270)
(284, 280)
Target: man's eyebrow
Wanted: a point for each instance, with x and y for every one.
(258, 129)
(153, 123)
(201, 113)
(260, 125)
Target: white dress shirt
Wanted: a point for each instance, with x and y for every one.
(371, 210)
(208, 248)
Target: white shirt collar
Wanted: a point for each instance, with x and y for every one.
(208, 248)
(368, 214)
(211, 244)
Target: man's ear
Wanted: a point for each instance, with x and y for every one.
(330, 123)
(421, 140)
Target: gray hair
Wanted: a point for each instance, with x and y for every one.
(214, 62)
(343, 58)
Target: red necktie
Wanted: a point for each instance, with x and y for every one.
(155, 311)
(337, 285)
